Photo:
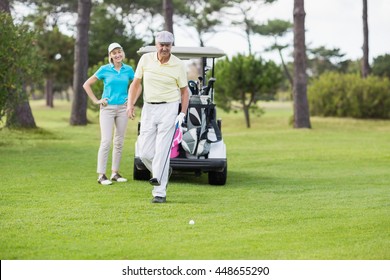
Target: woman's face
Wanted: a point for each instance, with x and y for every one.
(116, 55)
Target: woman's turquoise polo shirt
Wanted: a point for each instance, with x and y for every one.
(116, 83)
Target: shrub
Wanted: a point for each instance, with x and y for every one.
(348, 95)
(381, 66)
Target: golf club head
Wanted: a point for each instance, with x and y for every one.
(154, 182)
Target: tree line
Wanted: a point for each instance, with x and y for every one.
(63, 60)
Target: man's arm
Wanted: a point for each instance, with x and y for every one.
(184, 99)
(134, 93)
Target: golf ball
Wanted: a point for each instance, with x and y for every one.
(192, 222)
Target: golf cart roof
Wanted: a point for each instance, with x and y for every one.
(188, 52)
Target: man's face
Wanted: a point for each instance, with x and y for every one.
(164, 49)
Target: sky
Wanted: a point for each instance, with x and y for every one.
(329, 23)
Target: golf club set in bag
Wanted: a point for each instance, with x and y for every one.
(201, 126)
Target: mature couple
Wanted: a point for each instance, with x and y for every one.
(164, 88)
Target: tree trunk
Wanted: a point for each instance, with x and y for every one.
(4, 6)
(290, 79)
(49, 92)
(247, 117)
(248, 39)
(21, 115)
(79, 105)
(245, 108)
(366, 65)
(168, 15)
(301, 106)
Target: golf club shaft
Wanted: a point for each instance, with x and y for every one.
(170, 146)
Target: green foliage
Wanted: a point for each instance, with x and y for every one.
(20, 63)
(97, 87)
(275, 28)
(56, 49)
(245, 80)
(204, 16)
(106, 27)
(381, 66)
(348, 95)
(321, 60)
(57, 57)
(55, 5)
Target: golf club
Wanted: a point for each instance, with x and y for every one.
(155, 181)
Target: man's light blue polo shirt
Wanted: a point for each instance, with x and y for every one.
(116, 83)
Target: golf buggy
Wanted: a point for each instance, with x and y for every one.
(202, 149)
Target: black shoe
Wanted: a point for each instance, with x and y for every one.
(159, 199)
(155, 182)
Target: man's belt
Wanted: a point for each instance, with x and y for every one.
(162, 102)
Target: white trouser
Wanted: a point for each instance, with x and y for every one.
(154, 141)
(110, 116)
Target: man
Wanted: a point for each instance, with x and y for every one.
(165, 85)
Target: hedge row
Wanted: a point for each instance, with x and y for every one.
(348, 95)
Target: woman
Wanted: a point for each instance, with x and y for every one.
(116, 77)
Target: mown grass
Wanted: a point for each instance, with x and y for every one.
(291, 194)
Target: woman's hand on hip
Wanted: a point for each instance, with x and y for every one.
(103, 101)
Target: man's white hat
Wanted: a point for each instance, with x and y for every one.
(165, 37)
(113, 46)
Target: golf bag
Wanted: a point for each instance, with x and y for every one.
(201, 125)
(176, 142)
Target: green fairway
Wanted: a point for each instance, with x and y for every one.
(322, 194)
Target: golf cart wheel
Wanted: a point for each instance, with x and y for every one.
(218, 178)
(140, 174)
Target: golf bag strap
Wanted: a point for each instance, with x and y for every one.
(214, 124)
(217, 132)
(202, 106)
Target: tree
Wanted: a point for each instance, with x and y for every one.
(56, 48)
(20, 68)
(99, 38)
(79, 105)
(365, 65)
(277, 28)
(244, 80)
(4, 6)
(168, 15)
(202, 15)
(57, 62)
(322, 60)
(51, 12)
(247, 23)
(301, 106)
(381, 66)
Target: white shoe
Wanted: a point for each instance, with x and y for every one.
(104, 181)
(118, 178)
